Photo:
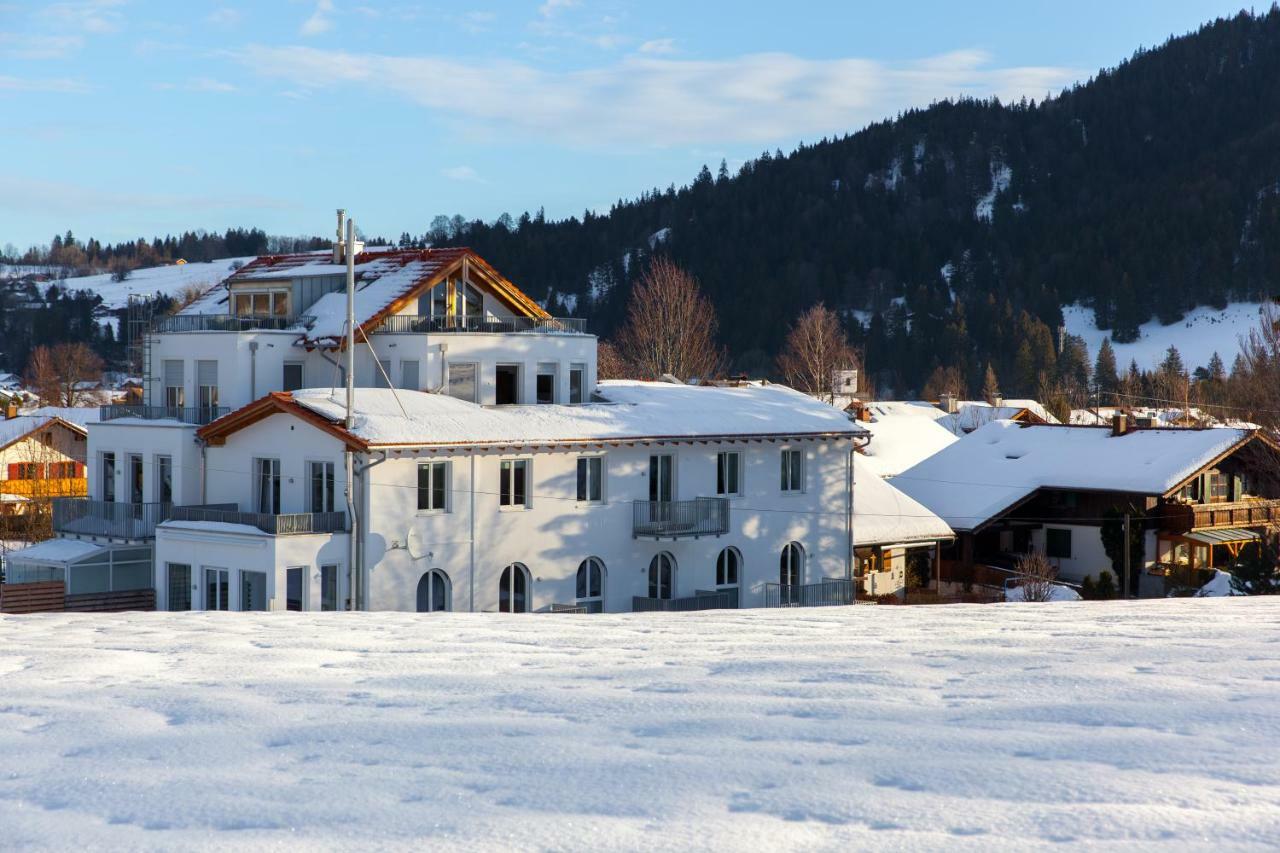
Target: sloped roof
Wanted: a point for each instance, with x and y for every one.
(883, 515)
(16, 429)
(902, 435)
(1000, 464)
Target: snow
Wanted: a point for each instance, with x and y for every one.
(882, 515)
(1001, 176)
(169, 280)
(999, 464)
(1219, 585)
(971, 414)
(1057, 593)
(902, 435)
(889, 178)
(967, 727)
(632, 410)
(659, 236)
(1201, 333)
(55, 551)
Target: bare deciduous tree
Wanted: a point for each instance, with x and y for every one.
(55, 373)
(1035, 577)
(816, 350)
(670, 327)
(610, 364)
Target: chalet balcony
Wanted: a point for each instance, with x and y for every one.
(831, 592)
(412, 324)
(287, 524)
(229, 322)
(111, 519)
(197, 415)
(680, 519)
(1180, 518)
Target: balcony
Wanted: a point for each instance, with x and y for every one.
(410, 324)
(289, 524)
(229, 322)
(680, 519)
(199, 415)
(112, 519)
(1180, 518)
(831, 592)
(721, 599)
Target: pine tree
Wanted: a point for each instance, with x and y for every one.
(1105, 378)
(990, 387)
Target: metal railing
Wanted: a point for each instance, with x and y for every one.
(112, 519)
(825, 593)
(573, 608)
(405, 324)
(287, 524)
(198, 415)
(702, 600)
(229, 322)
(676, 519)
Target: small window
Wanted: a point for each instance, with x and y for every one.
(547, 382)
(293, 375)
(513, 591)
(577, 383)
(513, 488)
(1217, 487)
(320, 486)
(164, 479)
(207, 386)
(433, 592)
(1057, 543)
(728, 565)
(172, 372)
(506, 387)
(433, 488)
(793, 470)
(409, 375)
(590, 479)
(267, 487)
(729, 473)
(791, 572)
(108, 477)
(590, 584)
(462, 382)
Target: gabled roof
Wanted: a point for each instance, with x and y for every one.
(386, 283)
(883, 515)
(902, 435)
(971, 414)
(1001, 464)
(13, 430)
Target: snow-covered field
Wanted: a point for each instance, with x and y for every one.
(169, 280)
(1144, 725)
(1197, 336)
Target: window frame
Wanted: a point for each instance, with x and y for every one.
(737, 474)
(108, 479)
(585, 570)
(601, 477)
(789, 473)
(721, 570)
(1058, 533)
(516, 568)
(655, 585)
(330, 474)
(540, 371)
(302, 375)
(442, 469)
(162, 463)
(256, 483)
(508, 504)
(475, 380)
(580, 396)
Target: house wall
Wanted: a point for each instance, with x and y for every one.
(230, 467)
(1088, 556)
(149, 439)
(65, 445)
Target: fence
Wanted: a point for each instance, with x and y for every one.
(831, 592)
(198, 415)
(228, 323)
(719, 600)
(108, 518)
(288, 524)
(403, 324)
(45, 597)
(675, 519)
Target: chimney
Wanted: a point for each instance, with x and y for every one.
(1119, 423)
(947, 402)
(11, 409)
(998, 402)
(338, 243)
(864, 413)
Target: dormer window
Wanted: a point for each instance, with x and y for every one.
(260, 303)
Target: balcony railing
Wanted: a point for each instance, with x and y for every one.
(113, 519)
(678, 519)
(1180, 518)
(288, 524)
(825, 593)
(724, 599)
(198, 415)
(407, 324)
(229, 322)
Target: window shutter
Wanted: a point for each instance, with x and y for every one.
(206, 373)
(172, 373)
(14, 472)
(79, 469)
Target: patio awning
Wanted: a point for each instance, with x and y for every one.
(1223, 536)
(55, 552)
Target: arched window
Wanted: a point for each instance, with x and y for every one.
(591, 584)
(433, 592)
(791, 565)
(662, 576)
(728, 567)
(513, 595)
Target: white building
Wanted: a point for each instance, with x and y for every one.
(490, 470)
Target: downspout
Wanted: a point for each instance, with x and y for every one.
(367, 498)
(471, 573)
(352, 549)
(203, 462)
(253, 370)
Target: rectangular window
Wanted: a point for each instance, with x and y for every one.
(207, 382)
(662, 470)
(320, 487)
(513, 489)
(546, 382)
(409, 375)
(506, 384)
(267, 486)
(462, 382)
(577, 383)
(381, 374)
(1217, 487)
(253, 591)
(280, 303)
(108, 477)
(295, 588)
(164, 479)
(433, 485)
(328, 587)
(174, 382)
(1057, 543)
(243, 304)
(590, 479)
(293, 376)
(729, 473)
(793, 470)
(135, 478)
(179, 586)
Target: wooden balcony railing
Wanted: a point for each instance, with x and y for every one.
(1180, 518)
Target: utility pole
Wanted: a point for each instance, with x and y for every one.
(1127, 549)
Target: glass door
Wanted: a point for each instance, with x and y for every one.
(295, 592)
(217, 589)
(253, 591)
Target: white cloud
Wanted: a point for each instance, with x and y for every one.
(649, 100)
(321, 20)
(462, 173)
(658, 47)
(553, 7)
(209, 84)
(23, 46)
(91, 16)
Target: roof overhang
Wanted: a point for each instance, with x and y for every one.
(277, 402)
(1223, 536)
(1253, 435)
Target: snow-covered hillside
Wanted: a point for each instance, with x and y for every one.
(169, 280)
(1197, 336)
(1010, 726)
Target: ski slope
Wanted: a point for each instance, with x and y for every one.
(1199, 334)
(169, 280)
(1144, 725)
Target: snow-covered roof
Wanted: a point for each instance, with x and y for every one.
(80, 415)
(626, 411)
(14, 429)
(902, 435)
(971, 414)
(55, 551)
(998, 465)
(883, 515)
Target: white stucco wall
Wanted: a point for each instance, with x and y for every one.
(1088, 556)
(148, 439)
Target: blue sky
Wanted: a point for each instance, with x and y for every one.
(128, 118)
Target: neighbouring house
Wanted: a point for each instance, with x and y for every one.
(42, 457)
(489, 468)
(962, 417)
(895, 536)
(1198, 496)
(902, 434)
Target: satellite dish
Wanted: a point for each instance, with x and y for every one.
(413, 544)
